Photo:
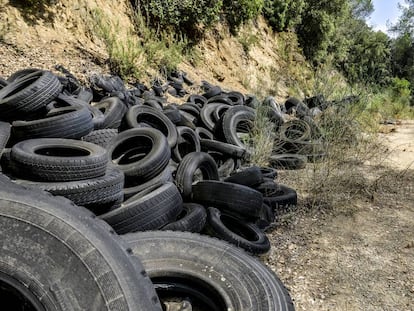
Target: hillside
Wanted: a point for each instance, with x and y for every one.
(255, 60)
(349, 243)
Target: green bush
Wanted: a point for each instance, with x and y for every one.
(401, 92)
(400, 88)
(240, 11)
(283, 14)
(186, 16)
(318, 28)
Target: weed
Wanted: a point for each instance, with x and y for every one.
(133, 52)
(126, 55)
(262, 137)
(349, 138)
(247, 40)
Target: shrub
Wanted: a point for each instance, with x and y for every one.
(283, 14)
(240, 11)
(187, 16)
(400, 88)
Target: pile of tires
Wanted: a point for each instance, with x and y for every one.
(140, 164)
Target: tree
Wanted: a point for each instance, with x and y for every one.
(405, 24)
(317, 30)
(403, 45)
(361, 9)
(283, 15)
(368, 57)
(240, 11)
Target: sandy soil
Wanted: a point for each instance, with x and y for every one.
(359, 257)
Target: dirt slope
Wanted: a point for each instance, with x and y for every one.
(359, 257)
(257, 60)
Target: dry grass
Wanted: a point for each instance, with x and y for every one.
(125, 56)
(262, 137)
(340, 177)
(139, 51)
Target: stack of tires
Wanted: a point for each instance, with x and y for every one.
(138, 165)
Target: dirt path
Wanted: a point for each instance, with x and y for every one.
(400, 144)
(360, 257)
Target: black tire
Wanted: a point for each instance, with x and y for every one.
(97, 117)
(268, 172)
(5, 161)
(182, 260)
(21, 74)
(317, 101)
(226, 168)
(199, 100)
(206, 115)
(288, 161)
(27, 95)
(45, 239)
(113, 110)
(153, 103)
(85, 94)
(173, 114)
(101, 137)
(3, 83)
(203, 133)
(286, 197)
(192, 219)
(187, 142)
(58, 159)
(268, 188)
(141, 153)
(164, 177)
(187, 169)
(228, 197)
(236, 98)
(266, 219)
(224, 148)
(68, 122)
(270, 102)
(275, 117)
(150, 209)
(250, 176)
(295, 131)
(220, 99)
(156, 118)
(316, 132)
(236, 231)
(212, 91)
(238, 119)
(218, 114)
(90, 193)
(187, 119)
(64, 101)
(190, 108)
(4, 135)
(252, 102)
(291, 102)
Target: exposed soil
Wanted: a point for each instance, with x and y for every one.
(359, 257)
(355, 258)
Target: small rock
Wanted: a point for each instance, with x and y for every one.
(409, 245)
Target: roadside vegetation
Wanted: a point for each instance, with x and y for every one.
(346, 57)
(331, 34)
